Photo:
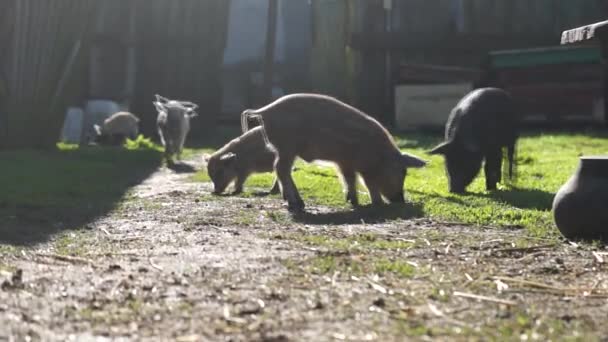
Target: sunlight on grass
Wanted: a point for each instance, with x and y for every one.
(545, 162)
(360, 265)
(319, 184)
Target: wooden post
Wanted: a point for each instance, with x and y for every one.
(604, 48)
(131, 64)
(599, 33)
(602, 40)
(271, 36)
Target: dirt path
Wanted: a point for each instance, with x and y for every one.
(175, 263)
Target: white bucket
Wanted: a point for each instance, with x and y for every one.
(72, 125)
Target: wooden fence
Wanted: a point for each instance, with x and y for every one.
(175, 48)
(450, 32)
(140, 48)
(180, 48)
(43, 55)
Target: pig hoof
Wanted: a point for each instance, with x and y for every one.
(295, 207)
(354, 202)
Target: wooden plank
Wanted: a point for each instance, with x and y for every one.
(436, 73)
(444, 43)
(551, 73)
(539, 57)
(566, 91)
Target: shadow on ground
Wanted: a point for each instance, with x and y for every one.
(363, 214)
(515, 197)
(521, 198)
(44, 193)
(181, 167)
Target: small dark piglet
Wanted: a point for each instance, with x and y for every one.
(478, 128)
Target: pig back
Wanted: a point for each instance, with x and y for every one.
(321, 127)
(485, 117)
(251, 150)
(121, 123)
(249, 143)
(176, 124)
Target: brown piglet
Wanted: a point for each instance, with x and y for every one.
(319, 127)
(238, 159)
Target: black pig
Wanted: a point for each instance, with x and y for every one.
(478, 128)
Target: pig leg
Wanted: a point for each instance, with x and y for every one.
(238, 184)
(511, 157)
(492, 168)
(275, 187)
(169, 150)
(350, 180)
(283, 165)
(178, 152)
(376, 197)
(162, 138)
(373, 189)
(179, 146)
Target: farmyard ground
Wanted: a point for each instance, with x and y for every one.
(170, 261)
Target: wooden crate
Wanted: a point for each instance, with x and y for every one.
(559, 83)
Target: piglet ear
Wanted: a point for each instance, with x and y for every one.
(228, 157)
(409, 160)
(441, 148)
(159, 106)
(97, 129)
(191, 113)
(161, 98)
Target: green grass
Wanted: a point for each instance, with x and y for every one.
(64, 176)
(355, 254)
(520, 327)
(46, 191)
(359, 242)
(73, 185)
(545, 162)
(359, 265)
